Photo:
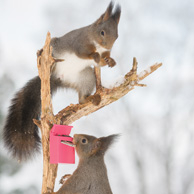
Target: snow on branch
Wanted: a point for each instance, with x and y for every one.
(75, 111)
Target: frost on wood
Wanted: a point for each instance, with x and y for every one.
(119, 80)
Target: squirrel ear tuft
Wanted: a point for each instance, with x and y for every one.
(99, 20)
(106, 142)
(117, 13)
(108, 12)
(106, 15)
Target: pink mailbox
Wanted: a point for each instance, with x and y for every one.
(59, 152)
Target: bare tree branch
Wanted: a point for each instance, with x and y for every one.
(108, 96)
(98, 77)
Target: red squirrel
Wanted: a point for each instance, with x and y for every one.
(90, 177)
(80, 49)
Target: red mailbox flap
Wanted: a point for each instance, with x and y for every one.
(59, 152)
(61, 130)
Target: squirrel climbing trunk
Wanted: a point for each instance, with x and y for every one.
(21, 135)
(90, 177)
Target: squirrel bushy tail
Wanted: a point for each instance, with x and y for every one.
(20, 134)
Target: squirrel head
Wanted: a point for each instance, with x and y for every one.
(88, 146)
(105, 29)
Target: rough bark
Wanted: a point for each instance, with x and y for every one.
(44, 63)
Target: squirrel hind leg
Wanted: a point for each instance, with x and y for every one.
(86, 84)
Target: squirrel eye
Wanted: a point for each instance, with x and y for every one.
(102, 32)
(84, 140)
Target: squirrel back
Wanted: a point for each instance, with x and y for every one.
(90, 177)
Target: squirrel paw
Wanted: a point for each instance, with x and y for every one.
(95, 99)
(64, 178)
(110, 61)
(96, 57)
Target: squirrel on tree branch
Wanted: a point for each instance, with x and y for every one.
(80, 49)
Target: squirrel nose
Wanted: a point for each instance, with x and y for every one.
(75, 139)
(75, 136)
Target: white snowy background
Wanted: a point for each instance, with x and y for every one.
(155, 153)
